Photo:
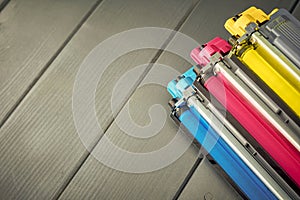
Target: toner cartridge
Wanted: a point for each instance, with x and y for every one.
(263, 58)
(278, 140)
(232, 154)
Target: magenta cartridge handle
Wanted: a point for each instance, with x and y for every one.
(201, 55)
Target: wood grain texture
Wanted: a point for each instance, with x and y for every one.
(296, 12)
(90, 181)
(39, 145)
(211, 186)
(31, 32)
(96, 181)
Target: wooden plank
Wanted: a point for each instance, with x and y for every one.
(211, 186)
(91, 182)
(96, 181)
(39, 146)
(31, 33)
(296, 11)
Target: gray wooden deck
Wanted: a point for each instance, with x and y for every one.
(42, 44)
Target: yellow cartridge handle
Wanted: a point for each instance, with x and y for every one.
(237, 24)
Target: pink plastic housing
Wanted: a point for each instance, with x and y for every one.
(277, 146)
(201, 55)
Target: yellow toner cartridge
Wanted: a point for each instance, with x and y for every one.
(264, 59)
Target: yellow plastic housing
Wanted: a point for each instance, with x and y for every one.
(283, 80)
(237, 24)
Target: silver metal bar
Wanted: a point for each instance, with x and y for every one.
(257, 90)
(239, 146)
(293, 136)
(262, 95)
(258, 39)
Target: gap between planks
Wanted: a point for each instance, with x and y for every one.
(3, 4)
(142, 77)
(294, 6)
(189, 176)
(47, 65)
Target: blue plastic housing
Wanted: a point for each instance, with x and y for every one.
(221, 152)
(186, 80)
(230, 162)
